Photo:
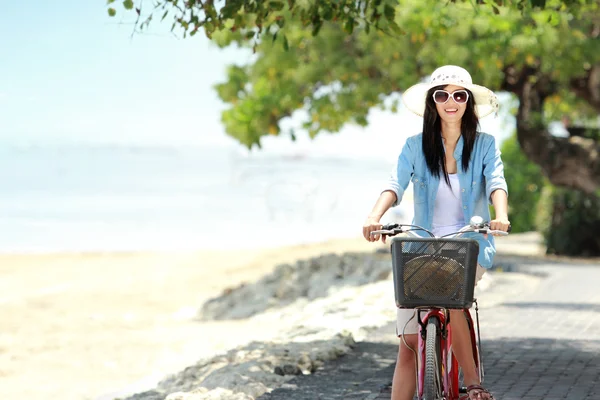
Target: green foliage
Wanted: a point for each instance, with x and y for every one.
(570, 222)
(566, 103)
(259, 18)
(543, 211)
(271, 16)
(334, 78)
(525, 183)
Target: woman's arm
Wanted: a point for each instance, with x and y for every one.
(386, 200)
(392, 193)
(495, 185)
(493, 170)
(384, 203)
(500, 201)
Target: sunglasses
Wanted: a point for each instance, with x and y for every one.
(441, 96)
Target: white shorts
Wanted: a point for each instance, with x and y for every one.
(406, 318)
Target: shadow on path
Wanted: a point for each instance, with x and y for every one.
(365, 371)
(516, 369)
(555, 306)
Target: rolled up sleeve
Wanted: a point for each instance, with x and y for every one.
(401, 173)
(493, 170)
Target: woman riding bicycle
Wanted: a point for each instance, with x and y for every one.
(456, 172)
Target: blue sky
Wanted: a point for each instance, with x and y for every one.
(68, 72)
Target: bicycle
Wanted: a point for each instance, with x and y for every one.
(434, 275)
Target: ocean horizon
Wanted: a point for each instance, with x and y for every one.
(85, 197)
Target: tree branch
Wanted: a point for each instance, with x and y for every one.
(588, 86)
(572, 162)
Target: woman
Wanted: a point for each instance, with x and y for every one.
(456, 172)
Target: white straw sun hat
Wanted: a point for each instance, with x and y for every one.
(486, 101)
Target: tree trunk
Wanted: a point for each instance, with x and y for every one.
(572, 162)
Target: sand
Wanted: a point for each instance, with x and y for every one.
(83, 326)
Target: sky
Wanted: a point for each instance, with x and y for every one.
(69, 73)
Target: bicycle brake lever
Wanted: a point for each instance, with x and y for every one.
(389, 227)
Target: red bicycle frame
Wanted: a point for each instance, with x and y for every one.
(449, 368)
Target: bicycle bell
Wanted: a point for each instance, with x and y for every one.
(476, 222)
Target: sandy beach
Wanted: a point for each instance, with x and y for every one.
(83, 326)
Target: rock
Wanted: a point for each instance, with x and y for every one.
(247, 373)
(289, 369)
(148, 395)
(305, 364)
(311, 279)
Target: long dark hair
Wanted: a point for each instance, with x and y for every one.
(433, 146)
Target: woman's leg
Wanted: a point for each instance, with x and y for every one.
(463, 348)
(404, 381)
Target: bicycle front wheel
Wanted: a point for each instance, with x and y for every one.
(432, 385)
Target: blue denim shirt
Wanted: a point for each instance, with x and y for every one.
(484, 175)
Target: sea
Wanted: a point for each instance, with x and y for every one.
(106, 197)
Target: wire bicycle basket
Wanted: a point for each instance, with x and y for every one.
(434, 272)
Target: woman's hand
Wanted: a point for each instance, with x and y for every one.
(370, 225)
(500, 224)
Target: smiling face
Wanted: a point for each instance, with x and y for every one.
(451, 111)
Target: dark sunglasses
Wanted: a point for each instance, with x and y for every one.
(441, 96)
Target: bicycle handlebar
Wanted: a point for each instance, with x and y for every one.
(477, 225)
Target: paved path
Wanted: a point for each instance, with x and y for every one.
(541, 344)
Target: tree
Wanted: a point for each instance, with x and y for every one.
(547, 53)
(568, 219)
(525, 182)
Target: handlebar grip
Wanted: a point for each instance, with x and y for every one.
(389, 227)
(487, 224)
(386, 232)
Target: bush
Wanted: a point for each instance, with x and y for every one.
(570, 222)
(525, 182)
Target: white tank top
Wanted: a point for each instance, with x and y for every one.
(447, 212)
